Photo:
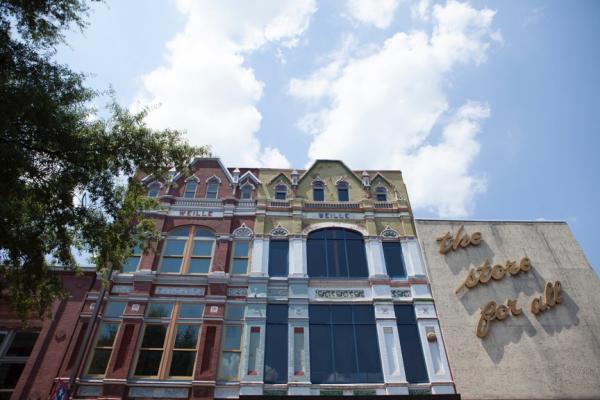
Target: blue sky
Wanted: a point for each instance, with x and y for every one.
(489, 108)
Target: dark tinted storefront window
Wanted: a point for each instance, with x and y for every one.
(412, 352)
(278, 257)
(276, 344)
(343, 345)
(394, 262)
(337, 253)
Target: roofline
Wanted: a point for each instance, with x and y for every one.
(511, 221)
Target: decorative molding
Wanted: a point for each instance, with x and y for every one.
(277, 292)
(340, 293)
(242, 231)
(279, 231)
(180, 291)
(401, 293)
(389, 233)
(210, 178)
(237, 292)
(160, 392)
(192, 178)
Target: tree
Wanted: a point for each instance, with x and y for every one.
(68, 176)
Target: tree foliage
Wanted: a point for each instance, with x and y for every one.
(68, 175)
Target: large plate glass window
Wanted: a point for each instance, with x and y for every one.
(410, 343)
(336, 253)
(169, 341)
(343, 344)
(276, 344)
(187, 250)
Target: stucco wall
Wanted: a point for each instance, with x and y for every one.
(555, 354)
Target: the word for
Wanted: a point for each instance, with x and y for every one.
(448, 242)
(485, 272)
(551, 298)
(492, 312)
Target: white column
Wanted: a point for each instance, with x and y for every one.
(391, 353)
(260, 257)
(375, 258)
(433, 348)
(412, 258)
(297, 256)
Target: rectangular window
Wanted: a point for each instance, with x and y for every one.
(394, 262)
(212, 190)
(173, 255)
(276, 344)
(114, 309)
(133, 261)
(239, 259)
(343, 344)
(107, 332)
(410, 344)
(278, 257)
(231, 351)
(343, 194)
(318, 194)
(169, 341)
(15, 348)
(253, 350)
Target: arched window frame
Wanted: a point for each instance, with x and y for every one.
(381, 191)
(281, 190)
(247, 187)
(190, 188)
(343, 190)
(318, 188)
(154, 189)
(212, 183)
(321, 242)
(194, 250)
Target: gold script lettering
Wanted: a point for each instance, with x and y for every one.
(485, 272)
(550, 299)
(449, 242)
(492, 312)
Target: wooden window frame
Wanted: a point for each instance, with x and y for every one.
(95, 347)
(381, 190)
(171, 322)
(281, 188)
(237, 351)
(212, 181)
(246, 257)
(185, 189)
(188, 249)
(244, 188)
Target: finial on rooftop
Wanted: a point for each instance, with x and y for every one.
(366, 179)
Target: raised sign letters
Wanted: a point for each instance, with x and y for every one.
(450, 243)
(485, 272)
(551, 298)
(492, 312)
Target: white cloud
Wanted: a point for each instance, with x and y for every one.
(381, 108)
(204, 86)
(375, 12)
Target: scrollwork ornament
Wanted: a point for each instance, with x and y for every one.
(389, 233)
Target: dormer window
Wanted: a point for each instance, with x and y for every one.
(190, 189)
(212, 188)
(153, 189)
(381, 193)
(280, 192)
(342, 188)
(318, 191)
(246, 190)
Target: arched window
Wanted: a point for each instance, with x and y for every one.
(336, 253)
(190, 189)
(318, 191)
(187, 249)
(380, 193)
(212, 188)
(280, 192)
(153, 189)
(342, 188)
(246, 190)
